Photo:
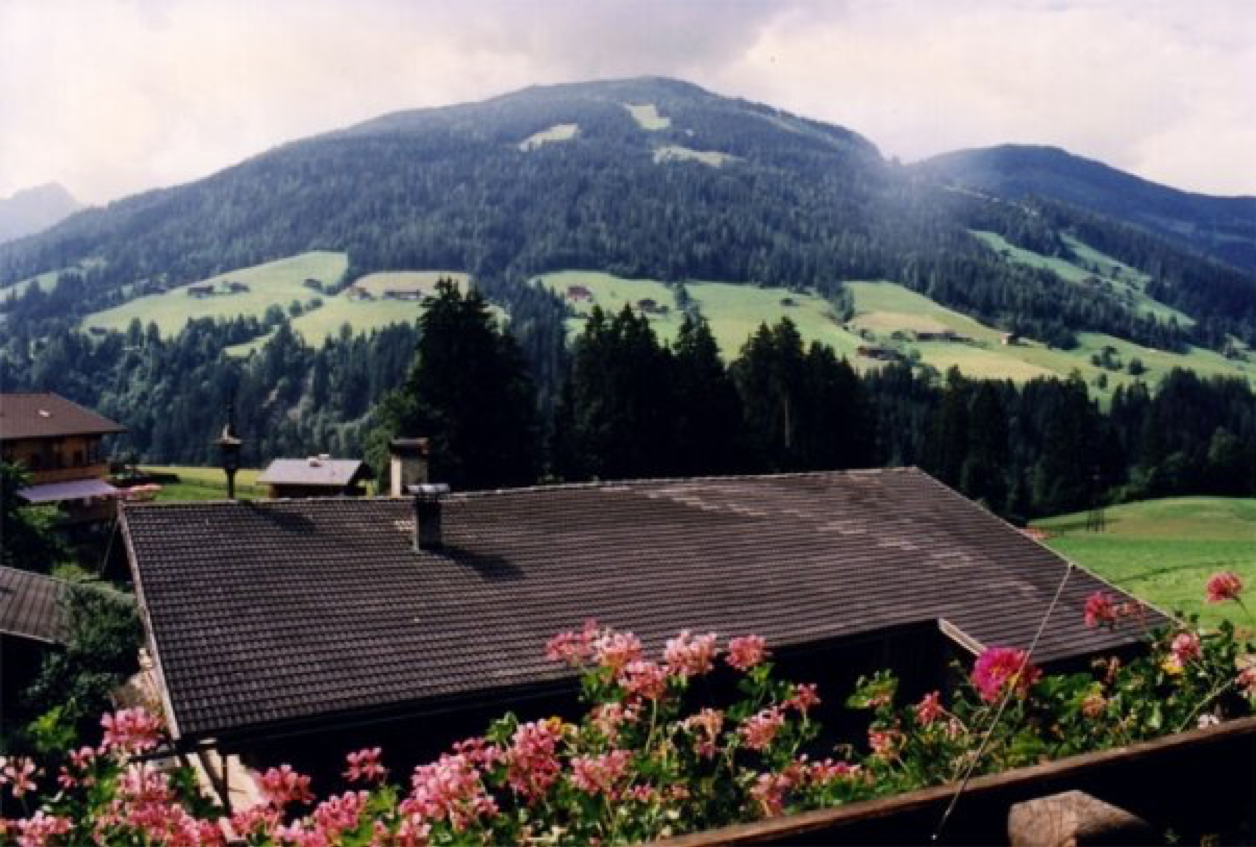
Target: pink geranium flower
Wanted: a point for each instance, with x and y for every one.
(283, 786)
(365, 766)
(599, 774)
(705, 727)
(746, 652)
(1185, 647)
(758, 730)
(643, 679)
(532, 759)
(929, 709)
(449, 789)
(804, 698)
(615, 650)
(574, 648)
(1224, 586)
(1100, 610)
(690, 655)
(130, 731)
(17, 772)
(998, 667)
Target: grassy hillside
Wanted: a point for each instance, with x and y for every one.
(1091, 267)
(278, 284)
(1165, 550)
(890, 315)
(272, 284)
(886, 315)
(733, 311)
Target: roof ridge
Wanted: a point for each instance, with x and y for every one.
(540, 488)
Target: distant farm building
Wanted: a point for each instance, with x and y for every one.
(356, 293)
(200, 291)
(410, 294)
(579, 293)
(942, 335)
(883, 354)
(651, 307)
(1010, 339)
(236, 287)
(317, 476)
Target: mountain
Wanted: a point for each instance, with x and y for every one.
(33, 209)
(1223, 227)
(640, 178)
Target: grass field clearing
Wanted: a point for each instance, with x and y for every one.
(198, 483)
(275, 283)
(558, 132)
(647, 116)
(1164, 550)
(676, 153)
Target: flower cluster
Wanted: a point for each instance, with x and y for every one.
(999, 668)
(648, 759)
(130, 731)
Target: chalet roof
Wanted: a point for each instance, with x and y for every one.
(48, 416)
(31, 604)
(314, 471)
(266, 613)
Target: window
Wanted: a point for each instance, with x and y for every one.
(78, 458)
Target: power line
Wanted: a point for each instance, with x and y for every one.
(1007, 696)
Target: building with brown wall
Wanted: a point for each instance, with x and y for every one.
(59, 444)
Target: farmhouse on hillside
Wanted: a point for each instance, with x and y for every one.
(411, 621)
(59, 444)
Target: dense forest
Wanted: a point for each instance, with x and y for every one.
(791, 202)
(629, 406)
(658, 179)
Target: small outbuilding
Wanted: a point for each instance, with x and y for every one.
(316, 476)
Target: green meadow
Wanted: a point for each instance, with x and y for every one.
(888, 315)
(271, 284)
(278, 284)
(1163, 551)
(196, 483)
(734, 312)
(1090, 267)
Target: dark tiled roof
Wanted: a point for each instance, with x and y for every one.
(48, 416)
(334, 473)
(272, 611)
(32, 605)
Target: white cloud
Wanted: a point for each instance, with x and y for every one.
(115, 96)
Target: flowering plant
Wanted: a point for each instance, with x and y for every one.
(647, 760)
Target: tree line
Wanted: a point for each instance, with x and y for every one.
(633, 407)
(509, 409)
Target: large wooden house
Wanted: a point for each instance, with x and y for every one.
(59, 444)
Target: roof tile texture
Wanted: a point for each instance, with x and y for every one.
(49, 416)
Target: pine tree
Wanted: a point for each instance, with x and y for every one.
(469, 393)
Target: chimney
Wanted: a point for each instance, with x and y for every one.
(407, 464)
(427, 507)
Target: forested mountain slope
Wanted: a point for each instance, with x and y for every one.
(1223, 227)
(641, 178)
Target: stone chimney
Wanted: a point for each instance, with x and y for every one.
(427, 515)
(407, 464)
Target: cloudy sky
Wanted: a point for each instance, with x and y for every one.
(111, 97)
